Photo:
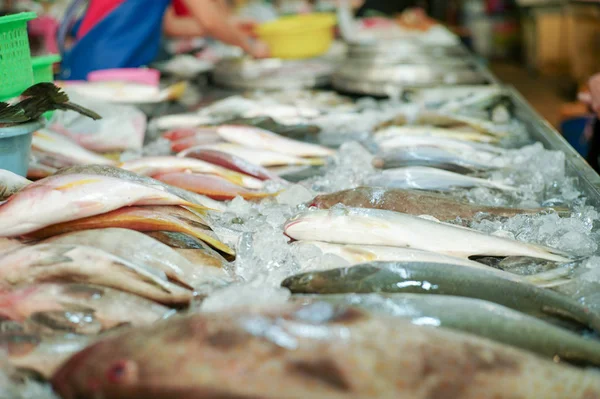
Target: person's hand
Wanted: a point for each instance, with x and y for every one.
(259, 49)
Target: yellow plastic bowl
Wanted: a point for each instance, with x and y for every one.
(299, 36)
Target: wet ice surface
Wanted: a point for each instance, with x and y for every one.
(10, 389)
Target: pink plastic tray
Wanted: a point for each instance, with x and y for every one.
(144, 76)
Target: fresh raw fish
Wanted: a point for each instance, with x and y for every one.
(112, 171)
(477, 317)
(445, 279)
(104, 306)
(71, 263)
(135, 247)
(315, 351)
(146, 218)
(399, 131)
(416, 203)
(193, 141)
(232, 162)
(356, 254)
(156, 165)
(10, 183)
(451, 144)
(255, 155)
(178, 134)
(43, 356)
(436, 158)
(46, 141)
(63, 198)
(181, 121)
(214, 187)
(37, 170)
(55, 161)
(270, 124)
(252, 137)
(362, 226)
(195, 250)
(425, 178)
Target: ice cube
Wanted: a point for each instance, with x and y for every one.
(244, 295)
(295, 195)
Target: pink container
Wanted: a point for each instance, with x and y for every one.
(146, 76)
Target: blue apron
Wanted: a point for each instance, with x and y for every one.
(127, 37)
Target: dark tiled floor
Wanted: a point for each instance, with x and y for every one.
(544, 93)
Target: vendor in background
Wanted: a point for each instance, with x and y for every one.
(127, 33)
(592, 99)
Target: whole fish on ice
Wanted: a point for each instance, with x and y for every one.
(446, 279)
(214, 187)
(362, 226)
(399, 131)
(47, 141)
(314, 351)
(442, 207)
(151, 166)
(232, 162)
(390, 144)
(118, 173)
(256, 155)
(71, 263)
(477, 317)
(102, 305)
(426, 178)
(145, 218)
(63, 198)
(252, 137)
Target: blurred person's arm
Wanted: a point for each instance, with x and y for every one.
(217, 24)
(187, 27)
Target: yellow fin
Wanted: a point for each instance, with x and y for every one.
(77, 183)
(176, 91)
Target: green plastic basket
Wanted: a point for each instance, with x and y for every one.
(16, 73)
(43, 68)
(43, 71)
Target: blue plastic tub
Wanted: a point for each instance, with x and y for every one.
(15, 146)
(573, 131)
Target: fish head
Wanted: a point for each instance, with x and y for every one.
(102, 370)
(304, 223)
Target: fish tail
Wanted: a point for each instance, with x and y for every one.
(198, 209)
(315, 161)
(555, 277)
(213, 242)
(562, 211)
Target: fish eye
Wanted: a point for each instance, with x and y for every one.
(122, 371)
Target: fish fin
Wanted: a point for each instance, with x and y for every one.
(52, 260)
(562, 211)
(197, 209)
(213, 242)
(77, 183)
(558, 276)
(315, 161)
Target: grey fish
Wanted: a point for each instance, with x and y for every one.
(113, 171)
(444, 279)
(482, 318)
(315, 351)
(432, 157)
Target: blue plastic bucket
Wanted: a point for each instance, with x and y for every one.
(15, 146)
(573, 131)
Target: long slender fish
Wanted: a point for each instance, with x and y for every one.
(265, 158)
(478, 317)
(43, 356)
(70, 263)
(135, 247)
(364, 226)
(155, 165)
(391, 143)
(315, 351)
(444, 279)
(465, 163)
(416, 203)
(106, 306)
(64, 198)
(254, 137)
(141, 219)
(56, 144)
(214, 187)
(357, 254)
(118, 173)
(10, 183)
(426, 178)
(232, 162)
(397, 131)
